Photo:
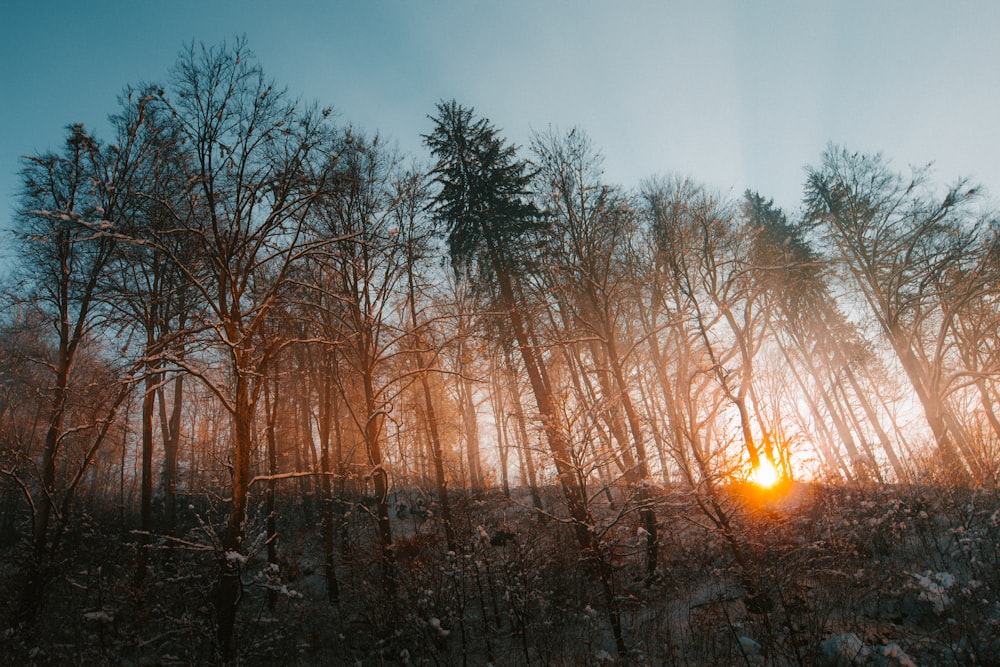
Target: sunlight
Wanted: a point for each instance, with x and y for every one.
(765, 475)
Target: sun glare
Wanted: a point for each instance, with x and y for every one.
(764, 475)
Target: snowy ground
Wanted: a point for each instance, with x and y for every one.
(839, 576)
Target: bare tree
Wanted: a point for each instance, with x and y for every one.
(418, 239)
(705, 254)
(483, 200)
(892, 236)
(593, 222)
(256, 165)
(366, 272)
(69, 199)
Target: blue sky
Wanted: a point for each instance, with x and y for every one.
(740, 94)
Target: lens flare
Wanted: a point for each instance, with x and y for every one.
(765, 475)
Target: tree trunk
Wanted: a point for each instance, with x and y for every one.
(303, 449)
(883, 437)
(380, 480)
(325, 385)
(567, 473)
(470, 420)
(342, 470)
(171, 430)
(827, 449)
(499, 407)
(37, 572)
(667, 388)
(935, 412)
(146, 488)
(440, 481)
(271, 412)
(843, 432)
(230, 561)
(840, 397)
(646, 513)
(522, 431)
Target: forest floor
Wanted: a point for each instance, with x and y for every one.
(802, 575)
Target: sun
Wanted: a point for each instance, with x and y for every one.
(765, 475)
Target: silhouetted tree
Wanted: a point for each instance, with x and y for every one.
(69, 200)
(256, 167)
(892, 237)
(483, 201)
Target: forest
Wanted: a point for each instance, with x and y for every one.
(272, 392)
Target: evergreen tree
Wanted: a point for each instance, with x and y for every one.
(484, 204)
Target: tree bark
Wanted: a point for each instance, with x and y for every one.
(326, 399)
(230, 561)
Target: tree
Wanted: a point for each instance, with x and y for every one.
(809, 325)
(147, 292)
(892, 237)
(704, 254)
(483, 201)
(418, 239)
(68, 199)
(592, 223)
(365, 272)
(256, 166)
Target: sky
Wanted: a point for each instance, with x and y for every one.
(737, 94)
